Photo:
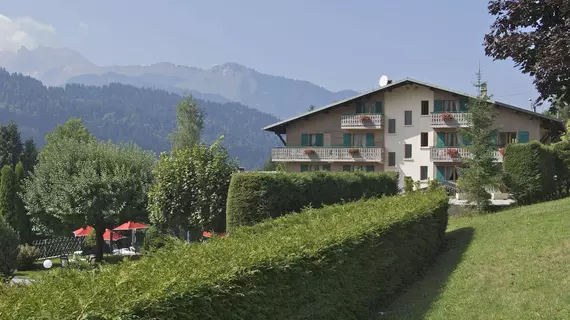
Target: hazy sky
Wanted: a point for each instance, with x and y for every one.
(333, 43)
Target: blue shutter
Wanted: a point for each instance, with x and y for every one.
(440, 140)
(370, 140)
(359, 107)
(346, 140)
(466, 141)
(304, 167)
(522, 136)
(463, 104)
(304, 139)
(378, 109)
(346, 168)
(438, 106)
(369, 168)
(319, 140)
(493, 138)
(440, 174)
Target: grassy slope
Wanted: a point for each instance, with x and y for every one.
(510, 265)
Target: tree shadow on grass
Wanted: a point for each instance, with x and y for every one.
(415, 301)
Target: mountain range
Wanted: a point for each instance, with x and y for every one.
(278, 96)
(124, 113)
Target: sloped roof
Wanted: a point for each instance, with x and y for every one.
(279, 127)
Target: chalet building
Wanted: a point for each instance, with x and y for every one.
(407, 126)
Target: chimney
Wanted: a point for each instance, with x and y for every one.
(483, 90)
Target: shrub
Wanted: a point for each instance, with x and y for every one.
(9, 242)
(408, 184)
(337, 262)
(529, 170)
(155, 239)
(27, 256)
(254, 197)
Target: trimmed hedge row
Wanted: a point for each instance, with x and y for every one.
(337, 262)
(530, 170)
(254, 197)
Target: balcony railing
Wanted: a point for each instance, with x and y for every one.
(449, 120)
(361, 121)
(327, 154)
(455, 154)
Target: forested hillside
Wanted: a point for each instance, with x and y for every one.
(126, 113)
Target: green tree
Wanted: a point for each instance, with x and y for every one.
(190, 189)
(97, 183)
(10, 144)
(9, 251)
(482, 171)
(535, 35)
(7, 196)
(189, 122)
(24, 226)
(311, 108)
(30, 155)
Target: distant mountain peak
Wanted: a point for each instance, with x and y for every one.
(231, 66)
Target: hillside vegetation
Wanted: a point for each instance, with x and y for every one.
(126, 113)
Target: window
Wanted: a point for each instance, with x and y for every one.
(425, 108)
(358, 140)
(407, 118)
(369, 168)
(391, 125)
(312, 139)
(451, 139)
(424, 139)
(447, 173)
(506, 138)
(450, 105)
(315, 167)
(391, 159)
(423, 173)
(407, 151)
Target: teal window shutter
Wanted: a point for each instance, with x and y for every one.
(359, 107)
(378, 108)
(440, 140)
(493, 138)
(346, 168)
(463, 104)
(304, 139)
(438, 106)
(369, 168)
(346, 140)
(304, 167)
(327, 167)
(440, 175)
(466, 141)
(319, 140)
(370, 140)
(523, 136)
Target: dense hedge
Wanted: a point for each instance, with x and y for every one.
(530, 170)
(254, 197)
(337, 262)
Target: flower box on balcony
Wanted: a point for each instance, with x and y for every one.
(452, 153)
(309, 151)
(353, 151)
(446, 116)
(364, 117)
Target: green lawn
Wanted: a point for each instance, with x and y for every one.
(510, 265)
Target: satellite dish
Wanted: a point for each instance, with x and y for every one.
(383, 81)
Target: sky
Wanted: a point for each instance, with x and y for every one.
(332, 43)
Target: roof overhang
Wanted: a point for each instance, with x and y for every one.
(280, 127)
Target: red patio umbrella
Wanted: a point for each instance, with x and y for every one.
(208, 234)
(83, 232)
(131, 226)
(116, 236)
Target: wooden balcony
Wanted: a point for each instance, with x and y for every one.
(361, 121)
(450, 120)
(327, 154)
(455, 154)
